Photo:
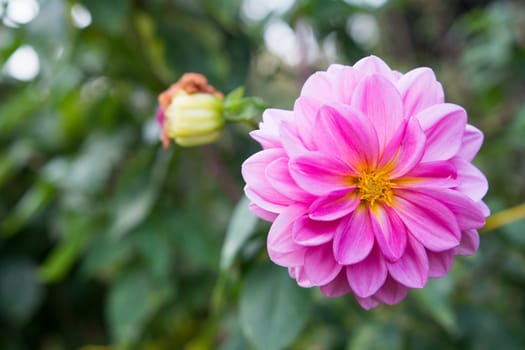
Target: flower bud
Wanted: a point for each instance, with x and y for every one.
(194, 119)
(191, 112)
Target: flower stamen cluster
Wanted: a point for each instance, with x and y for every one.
(374, 186)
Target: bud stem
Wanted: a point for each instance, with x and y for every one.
(505, 217)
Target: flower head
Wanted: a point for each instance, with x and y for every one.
(368, 182)
(190, 112)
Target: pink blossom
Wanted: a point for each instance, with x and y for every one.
(368, 182)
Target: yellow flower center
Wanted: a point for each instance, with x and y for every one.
(374, 187)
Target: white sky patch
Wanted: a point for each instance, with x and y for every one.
(281, 41)
(151, 131)
(363, 29)
(21, 11)
(368, 3)
(81, 16)
(23, 64)
(257, 10)
(308, 46)
(329, 46)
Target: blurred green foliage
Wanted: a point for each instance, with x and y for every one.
(107, 239)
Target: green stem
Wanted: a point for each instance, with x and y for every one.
(251, 123)
(505, 217)
(207, 338)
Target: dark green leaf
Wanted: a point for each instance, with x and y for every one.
(135, 202)
(435, 299)
(376, 336)
(34, 200)
(131, 303)
(273, 308)
(20, 290)
(242, 226)
(61, 259)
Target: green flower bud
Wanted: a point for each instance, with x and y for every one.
(191, 112)
(194, 119)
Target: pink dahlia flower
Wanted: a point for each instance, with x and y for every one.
(368, 182)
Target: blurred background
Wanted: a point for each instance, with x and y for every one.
(108, 241)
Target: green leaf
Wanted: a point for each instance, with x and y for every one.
(105, 256)
(131, 211)
(135, 202)
(14, 159)
(151, 241)
(234, 95)
(19, 108)
(376, 336)
(155, 52)
(90, 171)
(435, 300)
(273, 308)
(130, 305)
(34, 200)
(20, 291)
(61, 259)
(489, 329)
(238, 108)
(110, 16)
(193, 238)
(241, 227)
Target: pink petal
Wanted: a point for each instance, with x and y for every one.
(374, 65)
(344, 81)
(263, 202)
(307, 232)
(281, 247)
(411, 269)
(390, 232)
(392, 292)
(291, 141)
(320, 266)
(405, 149)
(380, 101)
(428, 220)
(471, 143)
(268, 133)
(439, 264)
(337, 287)
(438, 174)
(334, 205)
(468, 214)
(472, 182)
(258, 189)
(469, 243)
(367, 276)
(419, 89)
(444, 125)
(367, 303)
(354, 238)
(305, 111)
(319, 86)
(483, 208)
(397, 75)
(261, 213)
(279, 177)
(319, 174)
(346, 133)
(297, 273)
